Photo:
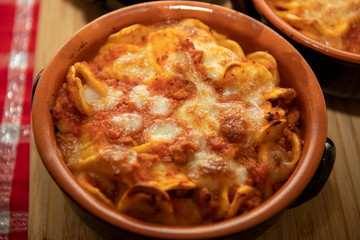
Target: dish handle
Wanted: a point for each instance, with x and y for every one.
(36, 80)
(320, 177)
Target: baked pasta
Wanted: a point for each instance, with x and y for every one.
(335, 23)
(172, 123)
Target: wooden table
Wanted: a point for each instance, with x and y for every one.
(333, 214)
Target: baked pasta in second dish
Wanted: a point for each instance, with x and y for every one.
(172, 123)
(335, 23)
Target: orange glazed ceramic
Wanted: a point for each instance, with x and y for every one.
(252, 36)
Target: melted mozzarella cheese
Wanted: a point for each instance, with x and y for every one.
(250, 112)
(240, 172)
(99, 102)
(230, 90)
(160, 105)
(157, 105)
(131, 122)
(203, 158)
(200, 112)
(140, 96)
(163, 130)
(251, 80)
(216, 59)
(121, 158)
(135, 65)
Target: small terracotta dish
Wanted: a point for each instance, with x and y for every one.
(338, 71)
(306, 181)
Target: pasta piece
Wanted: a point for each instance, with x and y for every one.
(233, 46)
(104, 185)
(76, 92)
(147, 203)
(88, 77)
(268, 61)
(135, 34)
(164, 42)
(242, 193)
(281, 93)
(279, 164)
(247, 79)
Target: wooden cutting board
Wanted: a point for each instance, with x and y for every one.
(333, 214)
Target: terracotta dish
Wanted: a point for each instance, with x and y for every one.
(338, 71)
(306, 181)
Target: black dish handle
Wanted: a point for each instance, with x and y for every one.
(321, 175)
(35, 83)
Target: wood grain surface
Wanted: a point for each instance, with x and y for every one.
(333, 214)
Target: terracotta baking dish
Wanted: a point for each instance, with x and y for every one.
(338, 71)
(307, 180)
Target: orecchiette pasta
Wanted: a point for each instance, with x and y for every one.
(172, 123)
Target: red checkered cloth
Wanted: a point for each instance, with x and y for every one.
(18, 24)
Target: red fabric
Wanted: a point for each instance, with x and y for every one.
(7, 12)
(3, 74)
(18, 25)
